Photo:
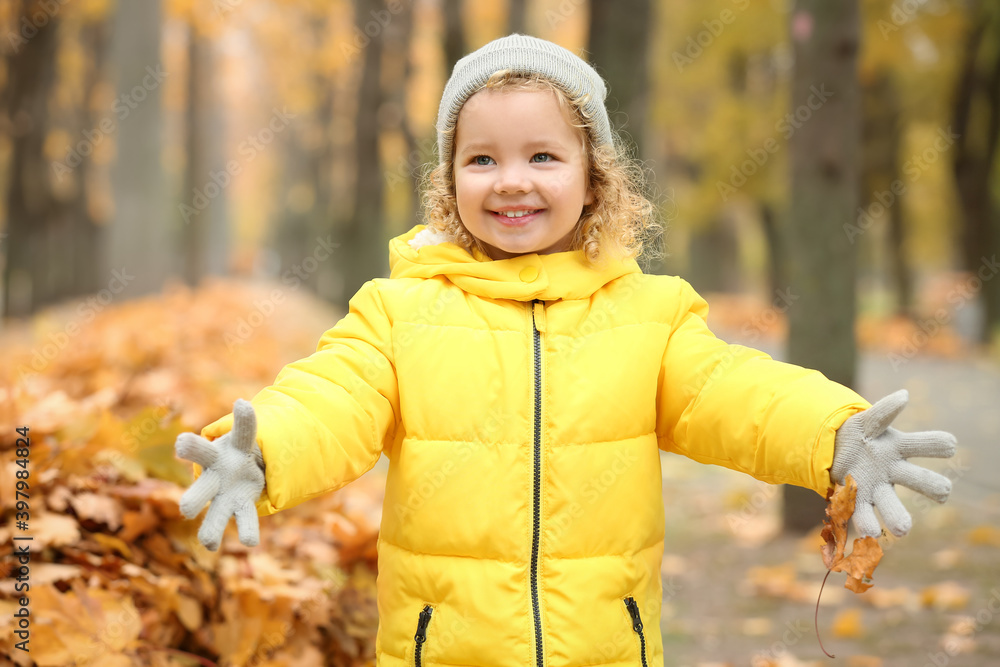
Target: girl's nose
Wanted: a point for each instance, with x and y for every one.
(511, 179)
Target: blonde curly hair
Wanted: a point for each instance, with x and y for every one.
(619, 223)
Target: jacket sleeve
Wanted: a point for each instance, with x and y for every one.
(736, 407)
(326, 418)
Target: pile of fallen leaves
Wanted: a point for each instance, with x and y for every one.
(117, 576)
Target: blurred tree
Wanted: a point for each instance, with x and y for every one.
(619, 37)
(454, 34)
(140, 240)
(87, 246)
(825, 115)
(976, 124)
(399, 70)
(517, 16)
(31, 203)
(53, 62)
(362, 236)
(308, 211)
(881, 172)
(203, 236)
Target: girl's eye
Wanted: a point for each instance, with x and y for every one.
(479, 160)
(548, 158)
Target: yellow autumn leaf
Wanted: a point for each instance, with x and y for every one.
(848, 624)
(985, 535)
(946, 595)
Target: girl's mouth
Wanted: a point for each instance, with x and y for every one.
(516, 218)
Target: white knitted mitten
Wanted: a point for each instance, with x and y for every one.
(874, 454)
(232, 479)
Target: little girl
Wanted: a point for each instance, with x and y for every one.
(521, 375)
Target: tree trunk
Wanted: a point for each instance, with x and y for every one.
(362, 244)
(882, 186)
(775, 256)
(619, 35)
(517, 17)
(978, 90)
(140, 243)
(89, 242)
(400, 67)
(824, 195)
(204, 235)
(309, 212)
(454, 34)
(32, 207)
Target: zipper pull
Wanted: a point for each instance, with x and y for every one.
(538, 315)
(633, 611)
(425, 618)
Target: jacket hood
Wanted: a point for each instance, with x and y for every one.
(561, 275)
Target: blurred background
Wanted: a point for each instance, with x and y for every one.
(190, 192)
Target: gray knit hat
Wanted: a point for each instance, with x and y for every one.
(524, 55)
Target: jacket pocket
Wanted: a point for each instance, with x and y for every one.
(418, 639)
(633, 612)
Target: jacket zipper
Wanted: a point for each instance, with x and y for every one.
(633, 611)
(536, 497)
(421, 636)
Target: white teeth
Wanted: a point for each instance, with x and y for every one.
(517, 214)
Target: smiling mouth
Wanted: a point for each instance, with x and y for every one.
(516, 214)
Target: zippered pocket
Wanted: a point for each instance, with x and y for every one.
(633, 611)
(421, 636)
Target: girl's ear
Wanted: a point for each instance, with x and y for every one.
(589, 197)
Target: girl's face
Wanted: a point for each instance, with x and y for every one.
(515, 152)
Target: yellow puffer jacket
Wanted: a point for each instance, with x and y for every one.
(522, 404)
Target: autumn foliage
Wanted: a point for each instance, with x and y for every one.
(117, 576)
(866, 553)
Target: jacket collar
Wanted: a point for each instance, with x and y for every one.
(561, 275)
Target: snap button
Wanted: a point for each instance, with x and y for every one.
(528, 274)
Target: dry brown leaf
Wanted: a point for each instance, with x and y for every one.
(53, 530)
(98, 508)
(864, 557)
(138, 523)
(861, 564)
(866, 553)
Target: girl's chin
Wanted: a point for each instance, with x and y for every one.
(505, 249)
